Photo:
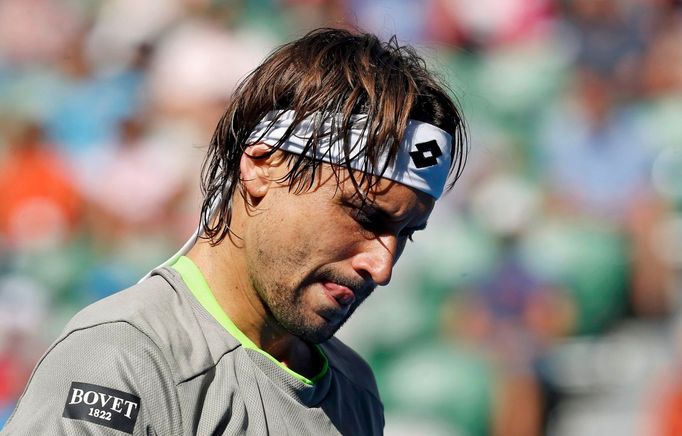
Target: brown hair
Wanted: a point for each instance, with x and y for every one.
(328, 72)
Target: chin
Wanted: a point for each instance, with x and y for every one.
(317, 337)
(314, 333)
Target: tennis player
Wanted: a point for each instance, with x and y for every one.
(329, 156)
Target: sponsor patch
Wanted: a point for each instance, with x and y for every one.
(426, 155)
(104, 406)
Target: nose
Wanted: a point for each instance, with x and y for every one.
(377, 258)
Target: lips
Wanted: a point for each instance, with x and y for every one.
(341, 294)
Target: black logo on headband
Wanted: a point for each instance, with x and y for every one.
(426, 155)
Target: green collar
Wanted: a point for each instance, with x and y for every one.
(197, 284)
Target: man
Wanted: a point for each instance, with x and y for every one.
(327, 159)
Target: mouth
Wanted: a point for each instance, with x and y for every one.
(341, 295)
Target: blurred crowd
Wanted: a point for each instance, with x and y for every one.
(543, 299)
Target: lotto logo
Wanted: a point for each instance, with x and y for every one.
(426, 155)
(104, 406)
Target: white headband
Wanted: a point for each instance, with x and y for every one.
(422, 163)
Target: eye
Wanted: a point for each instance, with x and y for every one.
(367, 222)
(408, 233)
(374, 226)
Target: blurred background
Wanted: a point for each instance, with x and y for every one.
(543, 299)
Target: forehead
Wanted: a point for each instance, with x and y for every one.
(421, 160)
(392, 197)
(332, 181)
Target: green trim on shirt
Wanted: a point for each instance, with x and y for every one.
(196, 283)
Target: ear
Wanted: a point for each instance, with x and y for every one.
(256, 169)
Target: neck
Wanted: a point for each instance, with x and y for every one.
(225, 271)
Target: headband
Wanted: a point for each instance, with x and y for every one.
(422, 163)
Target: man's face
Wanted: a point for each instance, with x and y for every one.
(313, 257)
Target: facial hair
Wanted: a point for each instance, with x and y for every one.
(285, 303)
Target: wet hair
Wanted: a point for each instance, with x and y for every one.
(332, 74)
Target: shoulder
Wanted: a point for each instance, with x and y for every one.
(137, 305)
(112, 368)
(350, 365)
(114, 352)
(163, 311)
(138, 343)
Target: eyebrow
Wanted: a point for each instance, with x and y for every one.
(376, 210)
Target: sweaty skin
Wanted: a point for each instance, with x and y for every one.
(301, 263)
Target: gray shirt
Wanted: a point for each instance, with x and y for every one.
(152, 360)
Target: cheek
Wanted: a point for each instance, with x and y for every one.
(280, 246)
(277, 249)
(336, 235)
(299, 233)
